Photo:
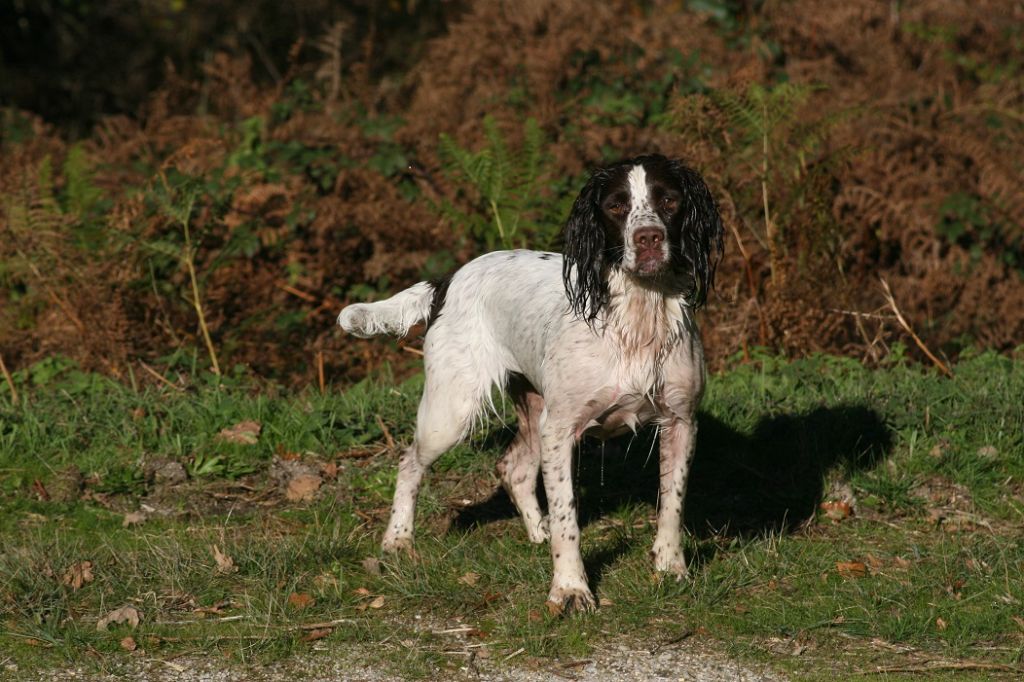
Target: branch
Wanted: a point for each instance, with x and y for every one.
(10, 380)
(906, 326)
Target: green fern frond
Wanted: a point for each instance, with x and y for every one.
(500, 179)
(82, 194)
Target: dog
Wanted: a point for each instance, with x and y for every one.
(597, 341)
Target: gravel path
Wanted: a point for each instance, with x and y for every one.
(689, 660)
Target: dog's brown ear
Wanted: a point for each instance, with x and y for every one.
(583, 252)
(702, 232)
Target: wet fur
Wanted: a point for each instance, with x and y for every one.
(585, 344)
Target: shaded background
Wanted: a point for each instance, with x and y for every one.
(296, 156)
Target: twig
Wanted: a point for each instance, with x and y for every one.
(769, 224)
(173, 666)
(577, 664)
(295, 292)
(198, 304)
(414, 351)
(10, 380)
(320, 369)
(942, 665)
(856, 313)
(514, 654)
(387, 434)
(676, 640)
(906, 326)
(57, 300)
(748, 268)
(325, 624)
(160, 376)
(222, 619)
(455, 631)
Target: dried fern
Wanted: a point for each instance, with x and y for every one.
(329, 72)
(36, 229)
(771, 156)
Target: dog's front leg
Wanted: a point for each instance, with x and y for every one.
(678, 438)
(569, 591)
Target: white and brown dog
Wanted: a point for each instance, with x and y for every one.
(598, 341)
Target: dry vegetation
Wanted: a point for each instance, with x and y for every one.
(846, 141)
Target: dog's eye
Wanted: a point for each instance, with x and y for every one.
(668, 203)
(616, 207)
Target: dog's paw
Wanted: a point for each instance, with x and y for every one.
(565, 601)
(401, 544)
(670, 562)
(538, 534)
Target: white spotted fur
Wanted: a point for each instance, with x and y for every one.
(505, 314)
(641, 214)
(397, 315)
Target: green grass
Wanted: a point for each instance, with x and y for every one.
(936, 465)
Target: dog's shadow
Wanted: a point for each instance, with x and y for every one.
(769, 481)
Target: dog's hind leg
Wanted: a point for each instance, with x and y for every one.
(520, 464)
(445, 414)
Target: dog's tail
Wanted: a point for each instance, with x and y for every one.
(395, 315)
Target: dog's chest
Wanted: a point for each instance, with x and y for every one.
(624, 413)
(630, 391)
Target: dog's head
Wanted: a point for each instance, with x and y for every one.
(651, 217)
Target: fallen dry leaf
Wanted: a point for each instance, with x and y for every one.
(243, 433)
(301, 600)
(371, 565)
(554, 609)
(851, 569)
(836, 510)
(940, 449)
(534, 616)
(325, 581)
(491, 597)
(605, 601)
(376, 603)
(128, 643)
(988, 452)
(471, 578)
(318, 633)
(40, 490)
(941, 624)
(303, 487)
(361, 591)
(225, 564)
(77, 575)
(125, 614)
(287, 455)
(134, 518)
(329, 470)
